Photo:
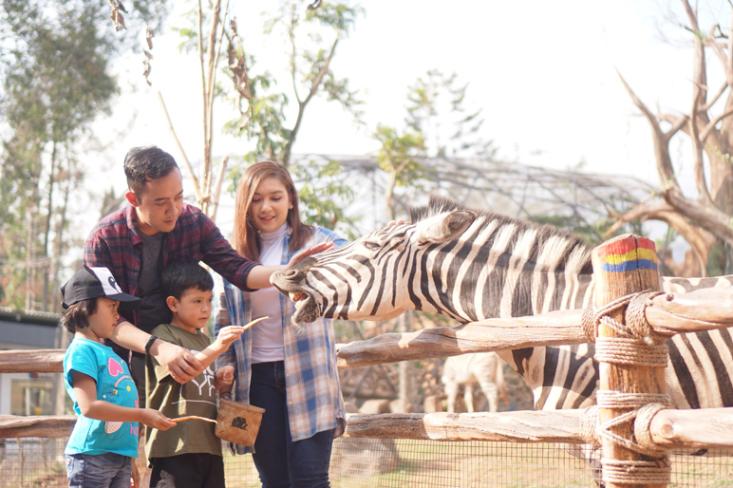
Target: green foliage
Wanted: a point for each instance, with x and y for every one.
(398, 158)
(324, 196)
(271, 117)
(437, 125)
(436, 109)
(56, 79)
(340, 16)
(398, 154)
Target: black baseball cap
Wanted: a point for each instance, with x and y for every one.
(93, 282)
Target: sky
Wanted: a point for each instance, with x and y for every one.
(544, 74)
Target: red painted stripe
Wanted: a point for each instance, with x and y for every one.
(628, 244)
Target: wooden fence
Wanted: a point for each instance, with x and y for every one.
(629, 322)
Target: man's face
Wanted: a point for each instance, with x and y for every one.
(159, 205)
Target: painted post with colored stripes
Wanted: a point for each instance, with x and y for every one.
(623, 265)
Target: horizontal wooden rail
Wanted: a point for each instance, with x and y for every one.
(487, 335)
(703, 428)
(669, 429)
(36, 426)
(667, 314)
(31, 361)
(694, 311)
(519, 426)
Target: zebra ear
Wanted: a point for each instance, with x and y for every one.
(443, 227)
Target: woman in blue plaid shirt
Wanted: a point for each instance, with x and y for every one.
(289, 371)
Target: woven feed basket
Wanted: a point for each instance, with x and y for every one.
(238, 422)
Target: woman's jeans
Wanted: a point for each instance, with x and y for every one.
(281, 462)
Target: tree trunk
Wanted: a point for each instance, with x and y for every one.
(47, 226)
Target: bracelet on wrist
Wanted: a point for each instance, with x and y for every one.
(149, 344)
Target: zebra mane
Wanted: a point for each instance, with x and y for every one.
(437, 205)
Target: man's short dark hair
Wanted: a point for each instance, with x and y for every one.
(182, 276)
(143, 164)
(77, 315)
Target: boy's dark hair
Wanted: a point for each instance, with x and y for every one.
(179, 277)
(77, 315)
(143, 164)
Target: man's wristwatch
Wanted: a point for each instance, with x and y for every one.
(149, 343)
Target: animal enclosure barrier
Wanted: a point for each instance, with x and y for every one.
(36, 462)
(636, 431)
(629, 324)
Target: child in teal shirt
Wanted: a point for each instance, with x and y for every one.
(105, 436)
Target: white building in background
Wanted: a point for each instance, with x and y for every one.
(27, 393)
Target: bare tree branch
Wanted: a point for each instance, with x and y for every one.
(699, 70)
(219, 182)
(293, 54)
(661, 141)
(678, 121)
(701, 185)
(699, 239)
(201, 196)
(711, 126)
(709, 218)
(715, 97)
(212, 54)
(196, 186)
(315, 85)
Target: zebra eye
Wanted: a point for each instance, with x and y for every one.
(372, 246)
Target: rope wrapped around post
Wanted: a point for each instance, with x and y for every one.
(636, 324)
(638, 345)
(631, 356)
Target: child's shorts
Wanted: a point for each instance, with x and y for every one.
(102, 470)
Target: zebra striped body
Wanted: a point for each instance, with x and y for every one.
(471, 266)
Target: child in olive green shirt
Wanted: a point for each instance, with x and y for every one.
(188, 455)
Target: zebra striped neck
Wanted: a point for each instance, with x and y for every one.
(500, 267)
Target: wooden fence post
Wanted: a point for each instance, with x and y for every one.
(631, 363)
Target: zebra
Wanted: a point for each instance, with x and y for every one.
(472, 265)
(477, 368)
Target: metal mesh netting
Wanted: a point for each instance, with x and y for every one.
(570, 198)
(374, 463)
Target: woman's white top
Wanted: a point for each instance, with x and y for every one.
(267, 336)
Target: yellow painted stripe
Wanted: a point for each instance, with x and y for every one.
(636, 254)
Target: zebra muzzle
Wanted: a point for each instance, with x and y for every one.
(297, 296)
(306, 309)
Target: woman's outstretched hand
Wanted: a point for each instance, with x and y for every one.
(323, 246)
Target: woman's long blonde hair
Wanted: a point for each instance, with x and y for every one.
(245, 238)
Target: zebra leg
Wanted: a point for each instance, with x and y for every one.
(592, 456)
(492, 394)
(451, 391)
(468, 396)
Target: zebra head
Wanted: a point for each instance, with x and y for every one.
(373, 277)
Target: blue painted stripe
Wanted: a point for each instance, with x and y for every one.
(630, 266)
